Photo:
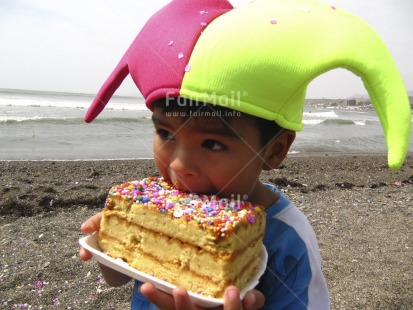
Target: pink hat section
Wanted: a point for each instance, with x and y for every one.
(158, 57)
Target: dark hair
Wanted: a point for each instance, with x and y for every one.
(186, 108)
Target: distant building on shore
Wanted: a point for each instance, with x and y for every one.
(351, 102)
(361, 103)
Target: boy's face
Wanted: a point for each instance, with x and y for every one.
(208, 155)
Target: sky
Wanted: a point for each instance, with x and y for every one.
(73, 46)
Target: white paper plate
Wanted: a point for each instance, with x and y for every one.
(90, 243)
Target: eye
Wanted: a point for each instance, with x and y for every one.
(164, 134)
(214, 145)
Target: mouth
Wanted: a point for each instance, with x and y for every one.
(190, 187)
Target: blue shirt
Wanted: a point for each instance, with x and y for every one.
(294, 278)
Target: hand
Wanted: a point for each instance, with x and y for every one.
(91, 225)
(179, 300)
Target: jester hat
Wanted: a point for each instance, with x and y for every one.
(259, 59)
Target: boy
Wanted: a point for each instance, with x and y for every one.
(225, 156)
(256, 60)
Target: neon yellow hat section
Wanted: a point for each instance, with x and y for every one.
(259, 59)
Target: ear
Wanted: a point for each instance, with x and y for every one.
(277, 149)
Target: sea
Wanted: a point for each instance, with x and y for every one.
(37, 125)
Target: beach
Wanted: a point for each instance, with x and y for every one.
(361, 211)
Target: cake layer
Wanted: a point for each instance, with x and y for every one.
(166, 249)
(209, 286)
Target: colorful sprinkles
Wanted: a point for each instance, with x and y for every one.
(187, 68)
(219, 216)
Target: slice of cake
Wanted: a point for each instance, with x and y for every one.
(201, 243)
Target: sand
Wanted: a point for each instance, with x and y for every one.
(361, 211)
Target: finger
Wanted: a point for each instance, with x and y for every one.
(253, 300)
(182, 299)
(92, 224)
(162, 300)
(84, 254)
(232, 300)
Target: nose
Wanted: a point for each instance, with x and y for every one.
(185, 163)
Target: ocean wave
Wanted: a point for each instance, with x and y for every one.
(69, 120)
(133, 105)
(339, 122)
(321, 114)
(312, 121)
(335, 122)
(37, 119)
